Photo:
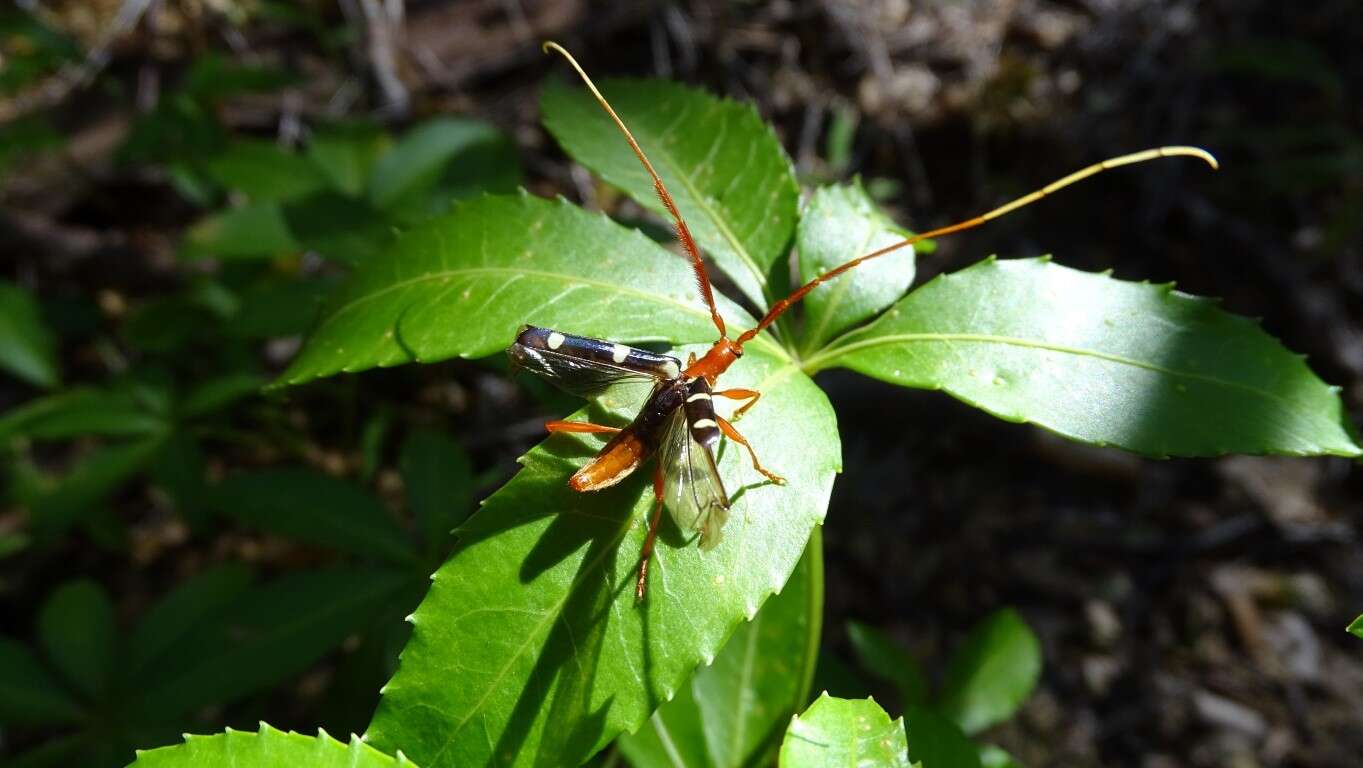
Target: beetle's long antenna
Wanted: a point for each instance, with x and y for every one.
(1027, 199)
(683, 233)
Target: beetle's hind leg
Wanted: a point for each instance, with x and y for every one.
(733, 434)
(647, 552)
(751, 395)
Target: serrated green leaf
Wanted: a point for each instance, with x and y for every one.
(264, 172)
(77, 632)
(1357, 627)
(266, 748)
(530, 646)
(730, 177)
(27, 348)
(347, 153)
(936, 742)
(882, 656)
(838, 225)
(271, 633)
(410, 174)
(82, 411)
(733, 712)
(506, 261)
(28, 694)
(1103, 361)
(845, 733)
(315, 508)
(992, 673)
(181, 612)
(248, 231)
(439, 482)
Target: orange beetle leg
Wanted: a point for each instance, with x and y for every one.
(733, 435)
(652, 533)
(751, 395)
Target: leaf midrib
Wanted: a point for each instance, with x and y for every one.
(829, 355)
(345, 309)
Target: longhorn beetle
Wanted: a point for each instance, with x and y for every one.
(678, 420)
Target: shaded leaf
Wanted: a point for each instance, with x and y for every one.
(315, 508)
(347, 153)
(279, 308)
(936, 742)
(838, 225)
(82, 411)
(88, 482)
(338, 227)
(179, 613)
(218, 393)
(439, 482)
(273, 632)
(264, 172)
(529, 645)
(421, 172)
(28, 694)
(881, 655)
(77, 632)
(844, 733)
(992, 673)
(506, 261)
(1098, 360)
(728, 173)
(993, 756)
(27, 348)
(247, 231)
(266, 748)
(733, 712)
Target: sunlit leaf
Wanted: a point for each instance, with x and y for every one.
(837, 225)
(1357, 627)
(733, 712)
(28, 694)
(845, 733)
(728, 173)
(505, 261)
(1103, 361)
(530, 647)
(77, 632)
(882, 656)
(27, 348)
(992, 673)
(266, 748)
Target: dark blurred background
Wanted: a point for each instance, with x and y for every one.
(1191, 612)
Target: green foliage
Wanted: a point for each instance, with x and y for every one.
(267, 748)
(992, 673)
(882, 656)
(27, 347)
(837, 225)
(1356, 627)
(936, 742)
(734, 711)
(729, 175)
(843, 733)
(1102, 361)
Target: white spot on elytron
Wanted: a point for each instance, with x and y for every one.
(619, 353)
(672, 370)
(704, 424)
(555, 340)
(698, 396)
